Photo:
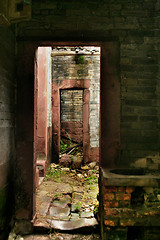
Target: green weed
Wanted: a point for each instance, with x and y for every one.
(63, 146)
(53, 174)
(92, 179)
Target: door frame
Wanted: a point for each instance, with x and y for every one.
(25, 184)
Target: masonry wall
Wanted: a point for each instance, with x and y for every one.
(129, 34)
(7, 125)
(134, 27)
(84, 67)
(71, 115)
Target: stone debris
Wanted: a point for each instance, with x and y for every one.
(67, 199)
(59, 212)
(63, 236)
(65, 160)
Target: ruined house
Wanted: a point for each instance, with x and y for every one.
(127, 32)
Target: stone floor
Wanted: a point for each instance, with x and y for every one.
(62, 236)
(67, 199)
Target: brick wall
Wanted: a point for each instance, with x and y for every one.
(134, 25)
(125, 209)
(7, 123)
(67, 65)
(72, 114)
(71, 105)
(77, 67)
(133, 28)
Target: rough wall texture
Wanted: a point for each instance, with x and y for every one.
(84, 67)
(71, 105)
(72, 114)
(7, 122)
(127, 208)
(134, 25)
(75, 67)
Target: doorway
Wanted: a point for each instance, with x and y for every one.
(109, 116)
(75, 83)
(78, 69)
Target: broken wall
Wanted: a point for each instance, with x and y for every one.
(134, 27)
(7, 124)
(71, 119)
(131, 26)
(78, 66)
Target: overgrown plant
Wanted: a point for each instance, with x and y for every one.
(92, 179)
(63, 146)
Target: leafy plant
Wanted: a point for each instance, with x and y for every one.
(92, 179)
(63, 146)
(70, 140)
(53, 174)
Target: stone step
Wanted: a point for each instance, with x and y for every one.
(73, 225)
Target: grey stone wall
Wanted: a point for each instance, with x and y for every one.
(79, 67)
(71, 105)
(7, 122)
(135, 26)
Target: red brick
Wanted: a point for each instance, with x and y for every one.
(115, 204)
(107, 204)
(110, 223)
(121, 189)
(124, 203)
(111, 204)
(109, 196)
(123, 196)
(129, 190)
(110, 189)
(127, 222)
(112, 212)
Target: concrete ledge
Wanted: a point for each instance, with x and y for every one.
(147, 180)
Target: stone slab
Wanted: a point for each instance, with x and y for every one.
(59, 212)
(71, 225)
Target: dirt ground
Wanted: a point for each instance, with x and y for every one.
(67, 199)
(63, 236)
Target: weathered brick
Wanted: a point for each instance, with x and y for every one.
(110, 204)
(129, 190)
(124, 204)
(134, 25)
(121, 189)
(122, 196)
(114, 212)
(111, 223)
(109, 196)
(110, 189)
(127, 222)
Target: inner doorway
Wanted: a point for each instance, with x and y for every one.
(78, 125)
(71, 122)
(77, 68)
